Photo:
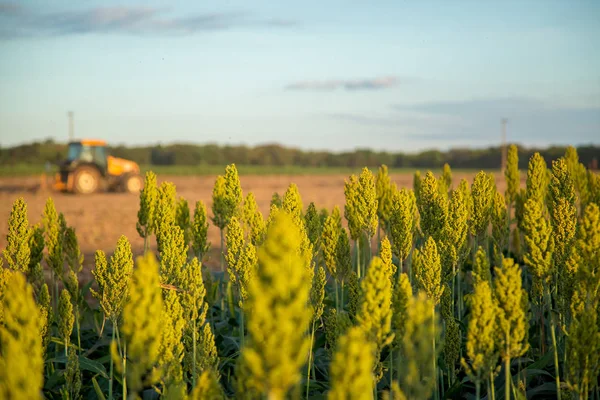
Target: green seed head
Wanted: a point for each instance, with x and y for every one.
(182, 218)
(512, 174)
(483, 196)
(148, 202)
(199, 230)
(17, 252)
(385, 192)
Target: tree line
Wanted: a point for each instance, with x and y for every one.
(277, 155)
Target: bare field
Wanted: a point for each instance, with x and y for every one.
(100, 219)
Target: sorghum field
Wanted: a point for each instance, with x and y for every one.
(456, 288)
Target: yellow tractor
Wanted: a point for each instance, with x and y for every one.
(89, 169)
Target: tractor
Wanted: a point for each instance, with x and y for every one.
(88, 169)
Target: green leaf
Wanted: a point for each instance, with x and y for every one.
(93, 366)
(546, 390)
(97, 389)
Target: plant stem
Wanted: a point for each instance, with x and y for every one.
(507, 378)
(242, 329)
(194, 373)
(124, 369)
(310, 351)
(357, 244)
(477, 390)
(553, 333)
(110, 380)
(337, 300)
(222, 250)
(342, 296)
(391, 366)
(492, 388)
(435, 389)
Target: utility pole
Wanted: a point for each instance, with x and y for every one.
(70, 115)
(503, 144)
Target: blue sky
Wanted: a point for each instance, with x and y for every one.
(393, 75)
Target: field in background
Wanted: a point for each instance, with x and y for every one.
(100, 219)
(33, 170)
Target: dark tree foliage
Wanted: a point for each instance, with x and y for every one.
(277, 155)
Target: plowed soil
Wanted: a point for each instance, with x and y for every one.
(100, 219)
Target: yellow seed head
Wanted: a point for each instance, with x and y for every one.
(536, 178)
(173, 255)
(254, 220)
(385, 253)
(481, 330)
(21, 351)
(351, 369)
(113, 279)
(292, 202)
(422, 329)
(171, 350)
(166, 206)
(278, 313)
(428, 270)
(432, 206)
(511, 319)
(361, 204)
(400, 299)
(208, 387)
(563, 212)
(402, 221)
(375, 312)
(142, 327)
(539, 242)
(583, 347)
(54, 239)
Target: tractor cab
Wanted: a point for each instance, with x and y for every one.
(88, 166)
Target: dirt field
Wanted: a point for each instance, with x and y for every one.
(100, 219)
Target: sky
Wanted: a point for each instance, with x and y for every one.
(338, 75)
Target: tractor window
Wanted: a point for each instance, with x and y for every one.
(100, 156)
(86, 154)
(74, 151)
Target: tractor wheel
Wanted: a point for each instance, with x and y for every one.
(133, 184)
(86, 180)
